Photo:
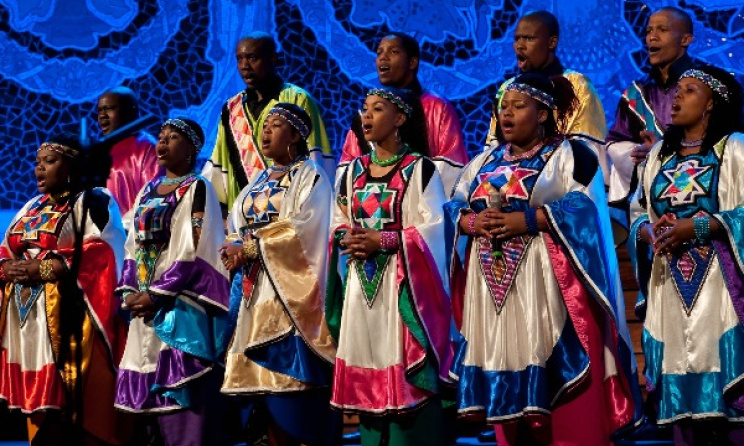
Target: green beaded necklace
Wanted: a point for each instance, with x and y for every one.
(390, 161)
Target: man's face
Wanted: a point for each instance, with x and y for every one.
(394, 66)
(254, 62)
(533, 45)
(666, 38)
(110, 114)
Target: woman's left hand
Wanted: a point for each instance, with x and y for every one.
(232, 255)
(362, 243)
(510, 224)
(672, 234)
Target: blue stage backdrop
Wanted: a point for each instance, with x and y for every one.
(59, 55)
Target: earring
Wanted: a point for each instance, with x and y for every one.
(541, 132)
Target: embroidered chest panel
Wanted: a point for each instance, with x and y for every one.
(39, 227)
(514, 179)
(377, 205)
(686, 185)
(153, 217)
(264, 201)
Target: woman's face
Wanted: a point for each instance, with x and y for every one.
(380, 118)
(519, 118)
(276, 138)
(691, 102)
(52, 171)
(174, 150)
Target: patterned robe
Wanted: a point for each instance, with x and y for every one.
(30, 329)
(390, 313)
(187, 335)
(691, 302)
(237, 159)
(549, 314)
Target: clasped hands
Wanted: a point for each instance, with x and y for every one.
(19, 271)
(668, 234)
(361, 243)
(492, 223)
(141, 305)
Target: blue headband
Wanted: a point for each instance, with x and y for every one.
(187, 130)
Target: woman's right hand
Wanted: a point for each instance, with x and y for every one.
(232, 255)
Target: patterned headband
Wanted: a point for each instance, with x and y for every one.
(59, 148)
(534, 93)
(187, 130)
(708, 80)
(292, 119)
(395, 99)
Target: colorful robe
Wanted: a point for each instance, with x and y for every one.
(444, 135)
(31, 377)
(692, 302)
(237, 159)
(186, 337)
(134, 162)
(281, 344)
(548, 315)
(391, 313)
(645, 105)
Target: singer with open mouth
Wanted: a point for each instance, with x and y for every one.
(544, 347)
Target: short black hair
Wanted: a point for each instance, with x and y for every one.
(268, 43)
(410, 45)
(546, 18)
(681, 14)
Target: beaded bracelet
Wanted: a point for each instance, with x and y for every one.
(388, 241)
(471, 223)
(639, 233)
(702, 228)
(250, 249)
(46, 270)
(342, 200)
(530, 220)
(197, 222)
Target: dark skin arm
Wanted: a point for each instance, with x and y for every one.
(28, 270)
(673, 233)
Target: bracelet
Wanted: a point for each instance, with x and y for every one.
(250, 249)
(342, 200)
(702, 228)
(3, 277)
(197, 222)
(388, 240)
(639, 233)
(471, 223)
(530, 220)
(46, 270)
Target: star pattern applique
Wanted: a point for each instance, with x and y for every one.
(31, 227)
(514, 185)
(266, 202)
(374, 205)
(684, 186)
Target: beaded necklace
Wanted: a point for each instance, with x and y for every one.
(177, 180)
(288, 167)
(390, 161)
(528, 154)
(689, 144)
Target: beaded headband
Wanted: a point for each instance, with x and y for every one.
(708, 80)
(394, 98)
(59, 148)
(292, 119)
(187, 130)
(534, 93)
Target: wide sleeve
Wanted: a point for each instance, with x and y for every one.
(446, 141)
(217, 169)
(294, 254)
(5, 251)
(422, 264)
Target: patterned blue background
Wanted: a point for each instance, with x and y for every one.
(59, 55)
